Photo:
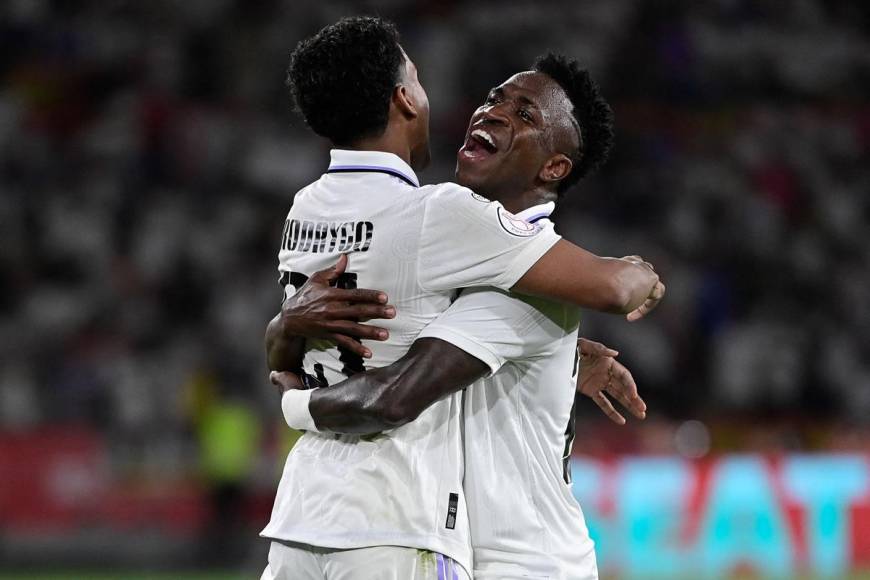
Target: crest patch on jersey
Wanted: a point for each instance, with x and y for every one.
(516, 226)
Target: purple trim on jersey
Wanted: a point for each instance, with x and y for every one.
(440, 560)
(372, 169)
(540, 216)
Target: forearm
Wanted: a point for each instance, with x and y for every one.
(391, 396)
(356, 405)
(570, 274)
(283, 353)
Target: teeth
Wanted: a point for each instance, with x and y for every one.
(485, 136)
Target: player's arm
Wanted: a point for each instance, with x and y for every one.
(382, 398)
(571, 274)
(318, 310)
(481, 331)
(467, 241)
(284, 351)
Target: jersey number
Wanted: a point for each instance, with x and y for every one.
(352, 363)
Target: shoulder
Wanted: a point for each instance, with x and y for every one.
(305, 195)
(458, 204)
(449, 191)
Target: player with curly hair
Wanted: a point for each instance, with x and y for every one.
(373, 489)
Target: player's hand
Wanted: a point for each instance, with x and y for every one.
(635, 259)
(319, 310)
(655, 296)
(285, 381)
(601, 375)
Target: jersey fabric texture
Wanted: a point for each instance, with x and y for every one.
(402, 487)
(525, 522)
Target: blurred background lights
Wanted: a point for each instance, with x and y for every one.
(692, 439)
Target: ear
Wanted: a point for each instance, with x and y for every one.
(556, 168)
(404, 102)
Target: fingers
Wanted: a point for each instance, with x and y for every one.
(352, 345)
(331, 274)
(285, 381)
(604, 404)
(357, 330)
(361, 312)
(360, 295)
(639, 312)
(639, 260)
(656, 295)
(636, 406)
(623, 387)
(590, 347)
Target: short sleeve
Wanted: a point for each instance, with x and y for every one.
(467, 240)
(494, 326)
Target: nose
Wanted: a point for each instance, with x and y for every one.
(494, 115)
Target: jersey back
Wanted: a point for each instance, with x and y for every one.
(417, 244)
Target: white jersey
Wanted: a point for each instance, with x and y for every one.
(519, 428)
(418, 244)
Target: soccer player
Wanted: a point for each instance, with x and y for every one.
(519, 424)
(392, 505)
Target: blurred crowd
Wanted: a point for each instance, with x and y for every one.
(149, 154)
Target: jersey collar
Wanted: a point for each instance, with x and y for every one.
(537, 212)
(345, 161)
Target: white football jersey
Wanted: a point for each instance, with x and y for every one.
(519, 428)
(402, 487)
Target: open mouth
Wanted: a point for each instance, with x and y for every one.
(479, 145)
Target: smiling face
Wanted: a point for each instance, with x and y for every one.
(522, 137)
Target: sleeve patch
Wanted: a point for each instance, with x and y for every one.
(516, 226)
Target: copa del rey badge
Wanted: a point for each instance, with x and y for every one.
(516, 226)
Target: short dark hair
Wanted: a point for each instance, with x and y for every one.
(341, 78)
(591, 111)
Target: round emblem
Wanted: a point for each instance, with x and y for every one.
(516, 226)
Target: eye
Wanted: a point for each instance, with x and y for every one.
(525, 115)
(491, 99)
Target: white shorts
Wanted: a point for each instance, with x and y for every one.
(492, 565)
(302, 562)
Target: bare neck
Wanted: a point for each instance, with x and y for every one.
(526, 199)
(390, 142)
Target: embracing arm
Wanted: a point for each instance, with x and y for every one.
(467, 242)
(619, 285)
(319, 310)
(284, 352)
(390, 396)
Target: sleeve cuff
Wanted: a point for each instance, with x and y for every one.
(528, 258)
(294, 404)
(466, 343)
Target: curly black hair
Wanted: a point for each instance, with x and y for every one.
(341, 78)
(591, 111)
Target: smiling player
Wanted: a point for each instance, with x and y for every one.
(524, 520)
(391, 506)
